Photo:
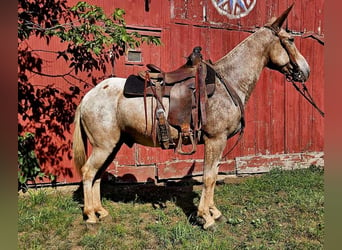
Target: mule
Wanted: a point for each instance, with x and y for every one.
(108, 119)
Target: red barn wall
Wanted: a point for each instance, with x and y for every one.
(282, 129)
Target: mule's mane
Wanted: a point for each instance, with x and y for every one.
(237, 47)
(237, 66)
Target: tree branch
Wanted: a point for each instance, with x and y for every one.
(62, 76)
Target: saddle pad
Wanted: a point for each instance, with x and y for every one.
(134, 86)
(210, 77)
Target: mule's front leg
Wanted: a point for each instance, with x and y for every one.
(212, 154)
(206, 201)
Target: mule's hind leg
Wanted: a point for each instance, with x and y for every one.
(213, 151)
(88, 174)
(98, 160)
(98, 208)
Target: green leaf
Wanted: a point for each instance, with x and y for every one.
(21, 178)
(52, 177)
(125, 38)
(41, 175)
(97, 51)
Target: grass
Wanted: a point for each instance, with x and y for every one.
(278, 210)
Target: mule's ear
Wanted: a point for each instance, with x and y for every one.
(280, 20)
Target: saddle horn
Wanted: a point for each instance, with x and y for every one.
(280, 20)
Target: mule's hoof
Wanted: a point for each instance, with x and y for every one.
(91, 220)
(196, 220)
(210, 227)
(92, 227)
(221, 219)
(101, 214)
(105, 218)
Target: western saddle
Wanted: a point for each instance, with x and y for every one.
(187, 88)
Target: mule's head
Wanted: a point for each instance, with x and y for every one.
(283, 54)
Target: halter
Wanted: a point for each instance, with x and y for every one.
(304, 91)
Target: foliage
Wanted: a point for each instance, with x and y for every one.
(278, 210)
(28, 164)
(91, 42)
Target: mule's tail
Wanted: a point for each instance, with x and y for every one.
(79, 143)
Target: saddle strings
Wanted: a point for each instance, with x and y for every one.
(147, 79)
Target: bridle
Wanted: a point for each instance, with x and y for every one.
(304, 91)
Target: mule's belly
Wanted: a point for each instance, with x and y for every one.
(131, 114)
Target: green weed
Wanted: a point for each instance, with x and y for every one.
(277, 210)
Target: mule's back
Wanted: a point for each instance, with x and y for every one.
(99, 108)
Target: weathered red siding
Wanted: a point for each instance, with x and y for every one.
(281, 126)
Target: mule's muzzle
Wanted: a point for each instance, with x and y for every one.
(299, 76)
(295, 73)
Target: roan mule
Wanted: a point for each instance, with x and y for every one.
(107, 119)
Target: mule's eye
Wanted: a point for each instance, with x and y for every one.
(291, 39)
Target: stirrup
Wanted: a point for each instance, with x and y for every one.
(163, 131)
(179, 146)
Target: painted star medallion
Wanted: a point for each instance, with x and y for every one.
(234, 9)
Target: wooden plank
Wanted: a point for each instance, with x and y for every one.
(308, 15)
(318, 75)
(217, 37)
(198, 37)
(195, 10)
(317, 92)
(133, 174)
(306, 126)
(277, 112)
(295, 18)
(179, 46)
(149, 155)
(227, 167)
(262, 113)
(126, 156)
(319, 17)
(179, 169)
(255, 17)
(265, 163)
(292, 120)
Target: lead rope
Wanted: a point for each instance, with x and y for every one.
(305, 93)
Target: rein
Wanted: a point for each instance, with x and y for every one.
(237, 101)
(305, 93)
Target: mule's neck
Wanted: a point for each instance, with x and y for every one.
(242, 66)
